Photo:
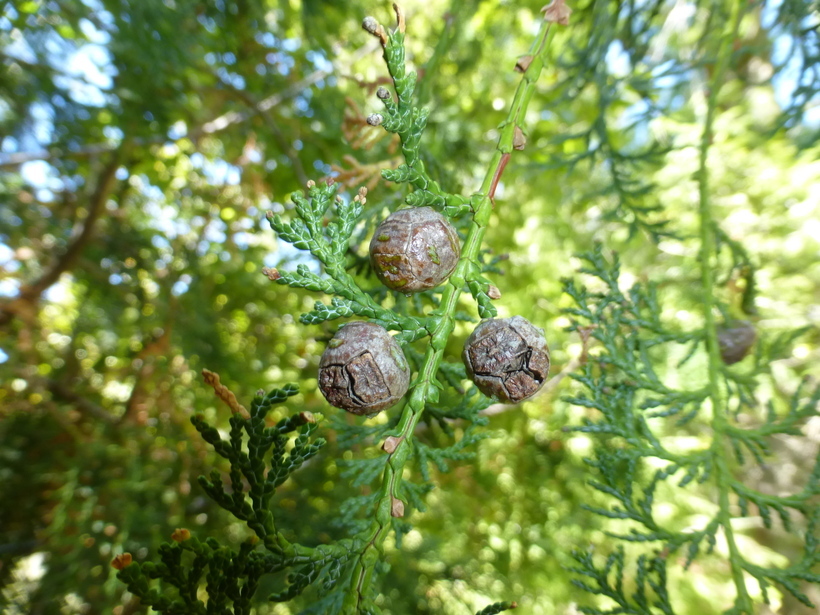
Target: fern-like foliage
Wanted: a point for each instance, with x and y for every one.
(633, 409)
(636, 408)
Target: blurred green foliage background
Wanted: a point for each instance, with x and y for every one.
(141, 143)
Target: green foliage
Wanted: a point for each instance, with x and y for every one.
(357, 558)
(672, 145)
(329, 244)
(650, 580)
(232, 577)
(622, 384)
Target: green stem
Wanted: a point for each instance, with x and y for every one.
(720, 423)
(425, 384)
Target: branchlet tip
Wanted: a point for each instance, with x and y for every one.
(121, 561)
(375, 28)
(272, 273)
(401, 24)
(558, 12)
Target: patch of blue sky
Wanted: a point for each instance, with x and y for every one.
(89, 72)
(634, 117)
(217, 171)
(86, 72)
(9, 264)
(243, 240)
(164, 218)
(233, 79)
(159, 242)
(7, 144)
(769, 13)
(177, 130)
(212, 235)
(302, 104)
(617, 60)
(8, 14)
(59, 292)
(319, 60)
(322, 167)
(43, 178)
(265, 38)
(788, 55)
(639, 13)
(99, 9)
(182, 285)
(94, 34)
(9, 287)
(3, 356)
(287, 258)
(42, 126)
(207, 22)
(19, 49)
(291, 44)
(284, 67)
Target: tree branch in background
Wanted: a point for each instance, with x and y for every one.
(24, 304)
(61, 391)
(218, 124)
(276, 132)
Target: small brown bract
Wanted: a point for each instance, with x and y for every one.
(735, 340)
(414, 250)
(363, 369)
(507, 358)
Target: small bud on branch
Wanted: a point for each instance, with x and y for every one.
(519, 140)
(523, 64)
(121, 561)
(375, 28)
(391, 443)
(272, 273)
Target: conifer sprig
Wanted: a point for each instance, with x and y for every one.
(328, 240)
(426, 387)
(626, 396)
(323, 225)
(261, 459)
(625, 393)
